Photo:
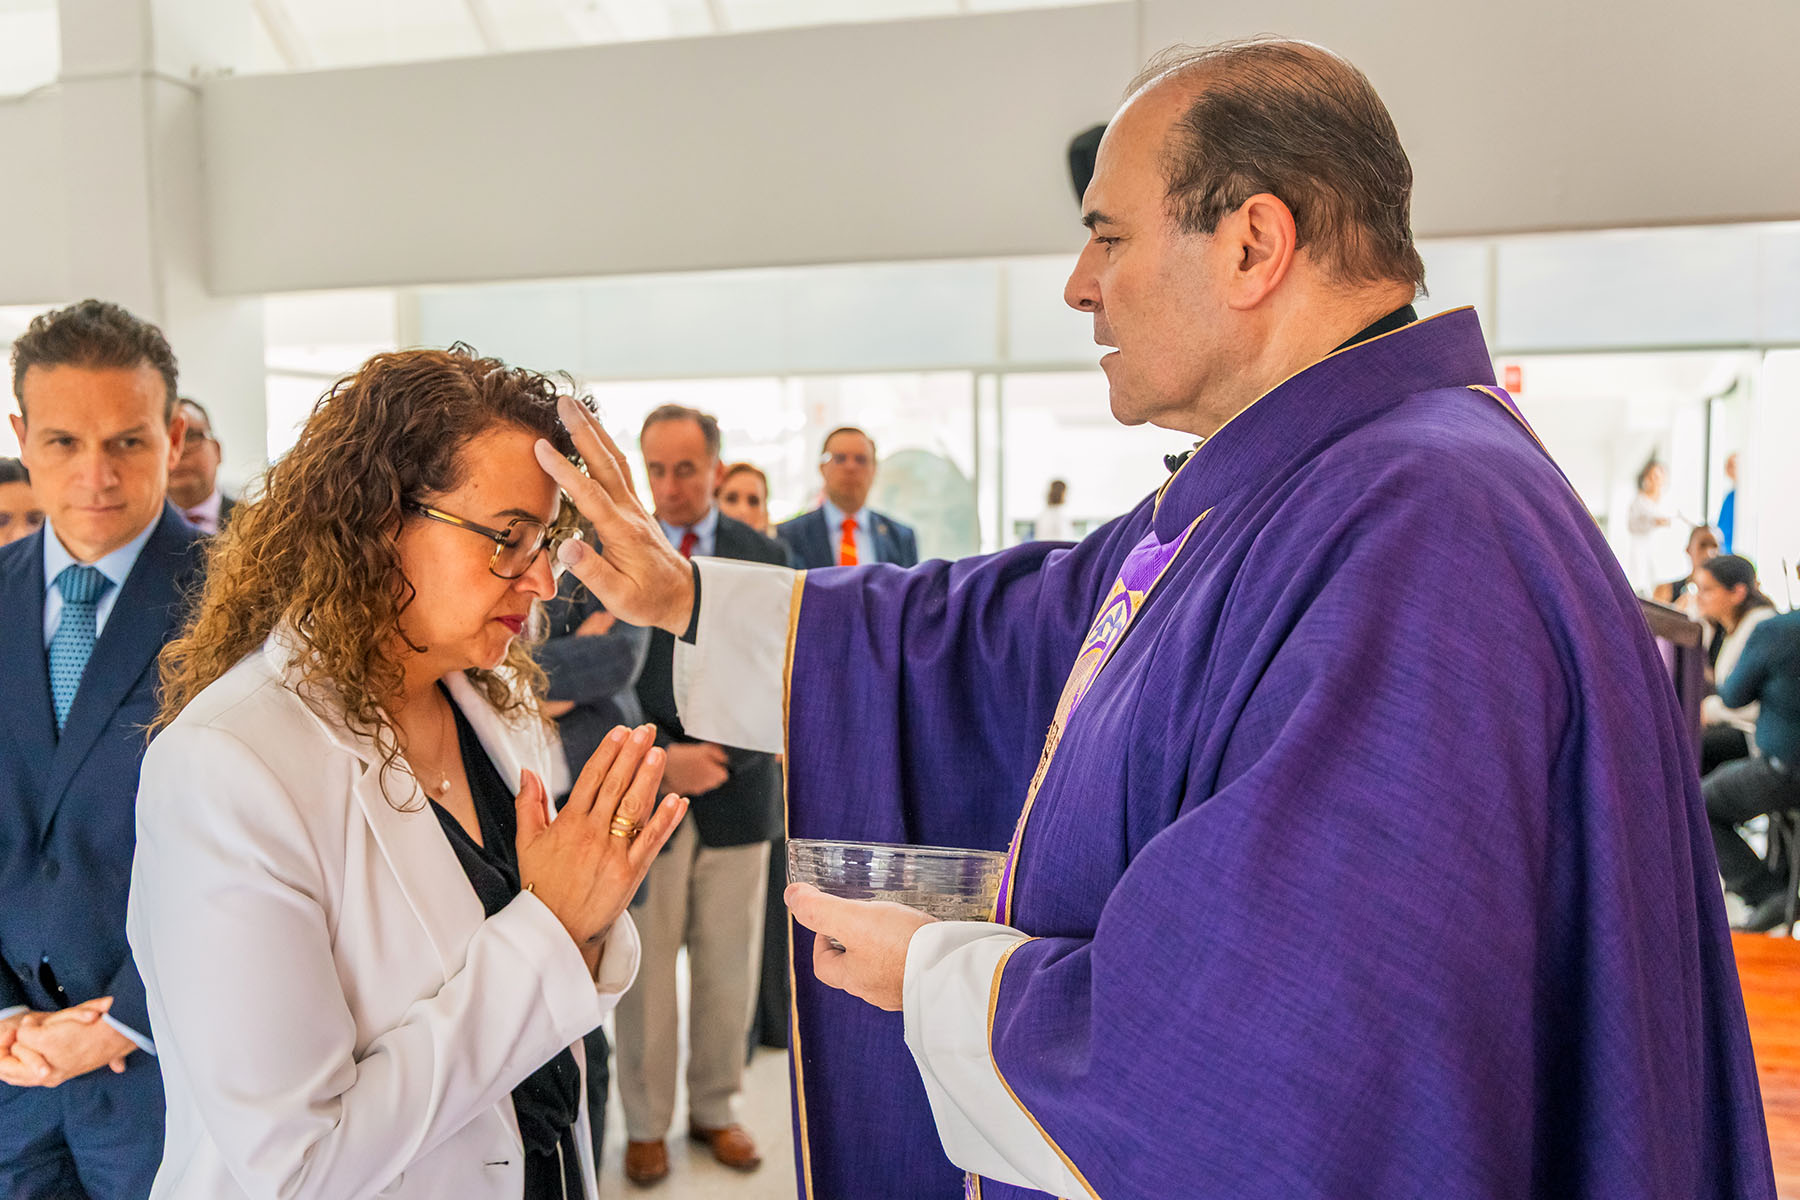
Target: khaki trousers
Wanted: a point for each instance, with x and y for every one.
(710, 898)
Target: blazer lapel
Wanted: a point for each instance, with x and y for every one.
(30, 727)
(885, 550)
(142, 621)
(816, 529)
(405, 828)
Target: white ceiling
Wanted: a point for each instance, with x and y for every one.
(306, 34)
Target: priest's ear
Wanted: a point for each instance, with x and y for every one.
(1262, 240)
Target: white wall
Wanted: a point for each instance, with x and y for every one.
(33, 207)
(945, 138)
(921, 139)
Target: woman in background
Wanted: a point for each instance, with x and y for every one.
(1702, 545)
(1648, 521)
(368, 946)
(744, 496)
(1726, 593)
(20, 513)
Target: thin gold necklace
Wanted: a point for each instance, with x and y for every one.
(442, 788)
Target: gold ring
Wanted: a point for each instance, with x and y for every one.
(625, 827)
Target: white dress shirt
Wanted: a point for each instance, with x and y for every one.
(729, 689)
(115, 566)
(204, 516)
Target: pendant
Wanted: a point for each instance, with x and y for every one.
(443, 789)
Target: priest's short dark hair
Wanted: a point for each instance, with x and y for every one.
(1302, 124)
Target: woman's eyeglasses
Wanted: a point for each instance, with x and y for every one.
(516, 547)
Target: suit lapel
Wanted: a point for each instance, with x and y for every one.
(30, 727)
(818, 531)
(885, 550)
(142, 621)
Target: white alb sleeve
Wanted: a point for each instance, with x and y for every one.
(950, 969)
(730, 683)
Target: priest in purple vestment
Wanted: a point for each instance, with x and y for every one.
(1356, 845)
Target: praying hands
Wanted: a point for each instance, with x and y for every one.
(47, 1049)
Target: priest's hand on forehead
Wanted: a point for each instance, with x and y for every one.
(632, 568)
(860, 945)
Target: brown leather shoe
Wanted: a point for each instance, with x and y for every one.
(646, 1162)
(731, 1146)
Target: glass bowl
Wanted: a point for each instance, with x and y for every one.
(950, 884)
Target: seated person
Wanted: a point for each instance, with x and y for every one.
(1767, 673)
(1727, 595)
(1702, 544)
(370, 950)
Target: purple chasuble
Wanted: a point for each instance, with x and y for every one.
(1364, 856)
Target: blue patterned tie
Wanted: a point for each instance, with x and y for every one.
(73, 642)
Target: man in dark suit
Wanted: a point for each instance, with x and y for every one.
(90, 600)
(593, 664)
(194, 481)
(844, 531)
(707, 887)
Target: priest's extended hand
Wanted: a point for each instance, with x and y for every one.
(873, 936)
(637, 575)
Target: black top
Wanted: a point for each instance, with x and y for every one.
(549, 1099)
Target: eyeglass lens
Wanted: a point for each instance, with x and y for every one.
(517, 552)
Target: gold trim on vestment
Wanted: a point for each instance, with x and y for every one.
(1064, 710)
(993, 1007)
(787, 693)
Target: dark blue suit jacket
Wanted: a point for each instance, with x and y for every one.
(67, 806)
(814, 545)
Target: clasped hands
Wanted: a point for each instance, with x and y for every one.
(45, 1049)
(861, 945)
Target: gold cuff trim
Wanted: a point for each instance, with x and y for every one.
(799, 1059)
(993, 1007)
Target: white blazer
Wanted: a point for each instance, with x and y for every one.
(334, 1016)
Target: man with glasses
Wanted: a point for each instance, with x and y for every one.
(97, 592)
(844, 531)
(194, 479)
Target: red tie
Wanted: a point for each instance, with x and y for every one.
(847, 547)
(689, 540)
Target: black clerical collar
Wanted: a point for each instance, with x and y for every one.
(1398, 319)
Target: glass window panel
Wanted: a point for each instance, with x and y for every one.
(724, 323)
(890, 316)
(530, 325)
(924, 430)
(1769, 496)
(1458, 272)
(1040, 328)
(1666, 287)
(1778, 283)
(1059, 425)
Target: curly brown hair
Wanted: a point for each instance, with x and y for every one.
(317, 550)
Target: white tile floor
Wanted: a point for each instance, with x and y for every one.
(693, 1175)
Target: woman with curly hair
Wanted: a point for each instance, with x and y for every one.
(370, 949)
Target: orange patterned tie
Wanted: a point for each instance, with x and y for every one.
(847, 547)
